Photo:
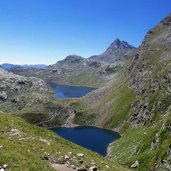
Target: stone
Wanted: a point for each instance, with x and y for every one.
(80, 155)
(73, 167)
(135, 165)
(67, 157)
(107, 166)
(93, 168)
(5, 166)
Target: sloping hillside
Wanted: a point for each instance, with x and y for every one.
(30, 148)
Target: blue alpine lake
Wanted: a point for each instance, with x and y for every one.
(92, 138)
(66, 91)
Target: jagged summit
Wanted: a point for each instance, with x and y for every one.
(118, 44)
(116, 51)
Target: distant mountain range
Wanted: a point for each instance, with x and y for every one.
(77, 70)
(9, 66)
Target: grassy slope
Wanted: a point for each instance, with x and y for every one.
(136, 145)
(25, 147)
(110, 108)
(136, 142)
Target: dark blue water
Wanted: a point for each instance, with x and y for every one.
(95, 139)
(66, 91)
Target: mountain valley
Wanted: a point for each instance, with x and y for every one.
(132, 97)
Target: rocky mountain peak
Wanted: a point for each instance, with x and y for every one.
(118, 50)
(118, 44)
(72, 59)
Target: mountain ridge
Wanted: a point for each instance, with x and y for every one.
(77, 70)
(9, 66)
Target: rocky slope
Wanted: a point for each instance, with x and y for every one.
(77, 70)
(22, 91)
(137, 103)
(30, 98)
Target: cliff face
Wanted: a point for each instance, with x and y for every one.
(150, 75)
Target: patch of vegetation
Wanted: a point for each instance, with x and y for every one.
(121, 100)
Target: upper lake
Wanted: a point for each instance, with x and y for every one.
(66, 91)
(95, 139)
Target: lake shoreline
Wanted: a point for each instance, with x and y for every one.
(98, 127)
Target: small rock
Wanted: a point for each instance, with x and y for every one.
(107, 166)
(66, 157)
(135, 165)
(93, 168)
(5, 166)
(80, 155)
(73, 167)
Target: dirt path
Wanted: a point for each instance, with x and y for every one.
(61, 167)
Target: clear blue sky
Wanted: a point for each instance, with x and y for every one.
(45, 31)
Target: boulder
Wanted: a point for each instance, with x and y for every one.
(135, 165)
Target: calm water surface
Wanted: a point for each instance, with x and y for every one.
(66, 91)
(95, 139)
